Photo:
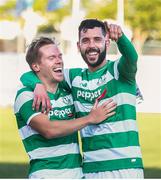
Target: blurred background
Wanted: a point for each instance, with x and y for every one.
(23, 20)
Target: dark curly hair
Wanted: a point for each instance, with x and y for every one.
(90, 24)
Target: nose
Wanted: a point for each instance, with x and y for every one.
(59, 60)
(92, 43)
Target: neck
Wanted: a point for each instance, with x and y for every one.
(93, 69)
(51, 86)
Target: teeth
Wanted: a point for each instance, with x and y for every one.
(57, 69)
(93, 53)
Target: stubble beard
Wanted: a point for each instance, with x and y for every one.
(99, 61)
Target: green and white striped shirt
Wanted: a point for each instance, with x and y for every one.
(114, 143)
(49, 158)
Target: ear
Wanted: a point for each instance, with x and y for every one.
(35, 67)
(78, 46)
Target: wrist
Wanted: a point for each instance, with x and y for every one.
(40, 85)
(90, 119)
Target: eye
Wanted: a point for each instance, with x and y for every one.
(51, 58)
(85, 41)
(98, 39)
(60, 56)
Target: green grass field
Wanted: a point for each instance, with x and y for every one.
(14, 161)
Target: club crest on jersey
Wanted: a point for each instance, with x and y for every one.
(67, 100)
(101, 80)
(83, 84)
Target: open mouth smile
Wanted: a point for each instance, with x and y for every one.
(58, 70)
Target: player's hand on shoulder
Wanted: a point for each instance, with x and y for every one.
(41, 99)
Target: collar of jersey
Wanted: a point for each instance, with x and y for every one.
(54, 95)
(100, 69)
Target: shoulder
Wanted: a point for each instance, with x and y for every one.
(74, 71)
(23, 95)
(24, 91)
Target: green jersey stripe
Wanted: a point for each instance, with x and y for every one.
(25, 96)
(21, 99)
(43, 142)
(22, 89)
(92, 84)
(115, 68)
(62, 101)
(109, 128)
(129, 114)
(68, 161)
(121, 98)
(67, 78)
(27, 131)
(118, 78)
(29, 119)
(54, 151)
(101, 166)
(112, 154)
(74, 173)
(115, 140)
(45, 154)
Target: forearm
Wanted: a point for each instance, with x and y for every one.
(127, 65)
(127, 49)
(66, 127)
(57, 128)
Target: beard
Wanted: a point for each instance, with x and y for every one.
(100, 59)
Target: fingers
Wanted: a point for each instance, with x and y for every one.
(109, 106)
(115, 32)
(34, 102)
(107, 102)
(43, 102)
(41, 98)
(113, 107)
(37, 106)
(48, 106)
(95, 104)
(110, 114)
(43, 107)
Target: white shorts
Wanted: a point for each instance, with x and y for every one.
(123, 173)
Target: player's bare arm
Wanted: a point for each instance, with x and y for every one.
(52, 129)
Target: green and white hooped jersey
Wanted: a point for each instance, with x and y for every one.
(114, 143)
(49, 158)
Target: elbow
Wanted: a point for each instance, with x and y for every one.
(48, 134)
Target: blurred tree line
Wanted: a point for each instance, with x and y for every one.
(142, 16)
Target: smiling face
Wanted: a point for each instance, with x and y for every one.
(92, 46)
(50, 66)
